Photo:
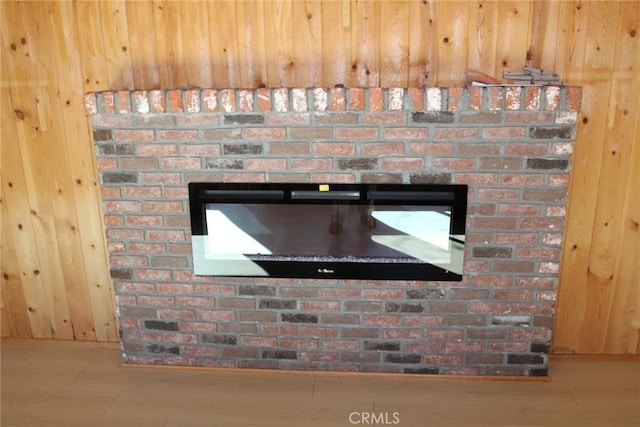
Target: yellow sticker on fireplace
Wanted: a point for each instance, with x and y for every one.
(324, 187)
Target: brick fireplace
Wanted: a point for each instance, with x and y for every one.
(511, 145)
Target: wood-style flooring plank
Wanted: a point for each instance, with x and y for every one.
(60, 383)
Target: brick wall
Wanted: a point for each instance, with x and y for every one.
(512, 146)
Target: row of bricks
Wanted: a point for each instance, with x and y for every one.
(530, 98)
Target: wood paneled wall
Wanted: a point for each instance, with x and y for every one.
(55, 279)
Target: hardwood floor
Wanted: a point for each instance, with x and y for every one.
(55, 383)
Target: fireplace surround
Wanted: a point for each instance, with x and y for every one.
(511, 145)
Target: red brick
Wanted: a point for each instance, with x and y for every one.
(513, 98)
(319, 332)
(244, 177)
(176, 104)
(476, 178)
(383, 294)
(528, 117)
(514, 266)
(195, 302)
(492, 281)
(265, 133)
(455, 98)
(337, 99)
(155, 301)
(106, 164)
(341, 345)
(507, 132)
(405, 163)
(290, 119)
(540, 224)
(416, 95)
(552, 98)
(178, 135)
(323, 357)
(122, 206)
(464, 133)
(108, 102)
(495, 98)
(381, 319)
(475, 97)
(127, 234)
(128, 261)
(520, 179)
(501, 347)
(299, 99)
(176, 288)
(396, 99)
(151, 248)
(376, 99)
(495, 223)
(538, 253)
(383, 148)
(299, 343)
(163, 206)
(141, 135)
(311, 164)
(519, 210)
(464, 347)
(574, 98)
(404, 333)
(334, 148)
(212, 150)
(532, 95)
(281, 100)
(161, 178)
(513, 295)
(209, 100)
(319, 305)
(215, 315)
(320, 99)
(406, 133)
(479, 149)
(444, 334)
(454, 164)
(157, 149)
(176, 193)
(356, 99)
(517, 238)
(386, 118)
(525, 149)
(90, 104)
(359, 133)
(424, 347)
(166, 235)
(157, 103)
(124, 101)
(498, 194)
(141, 101)
(424, 320)
(430, 148)
(489, 307)
(180, 163)
(434, 99)
(264, 99)
(265, 164)
(228, 100)
(246, 100)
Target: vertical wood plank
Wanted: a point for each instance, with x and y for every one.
(251, 44)
(15, 318)
(451, 41)
(279, 43)
(117, 47)
(142, 33)
(365, 41)
(513, 36)
(622, 215)
(307, 39)
(571, 300)
(196, 45)
(224, 44)
(89, 289)
(336, 43)
(394, 44)
(421, 44)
